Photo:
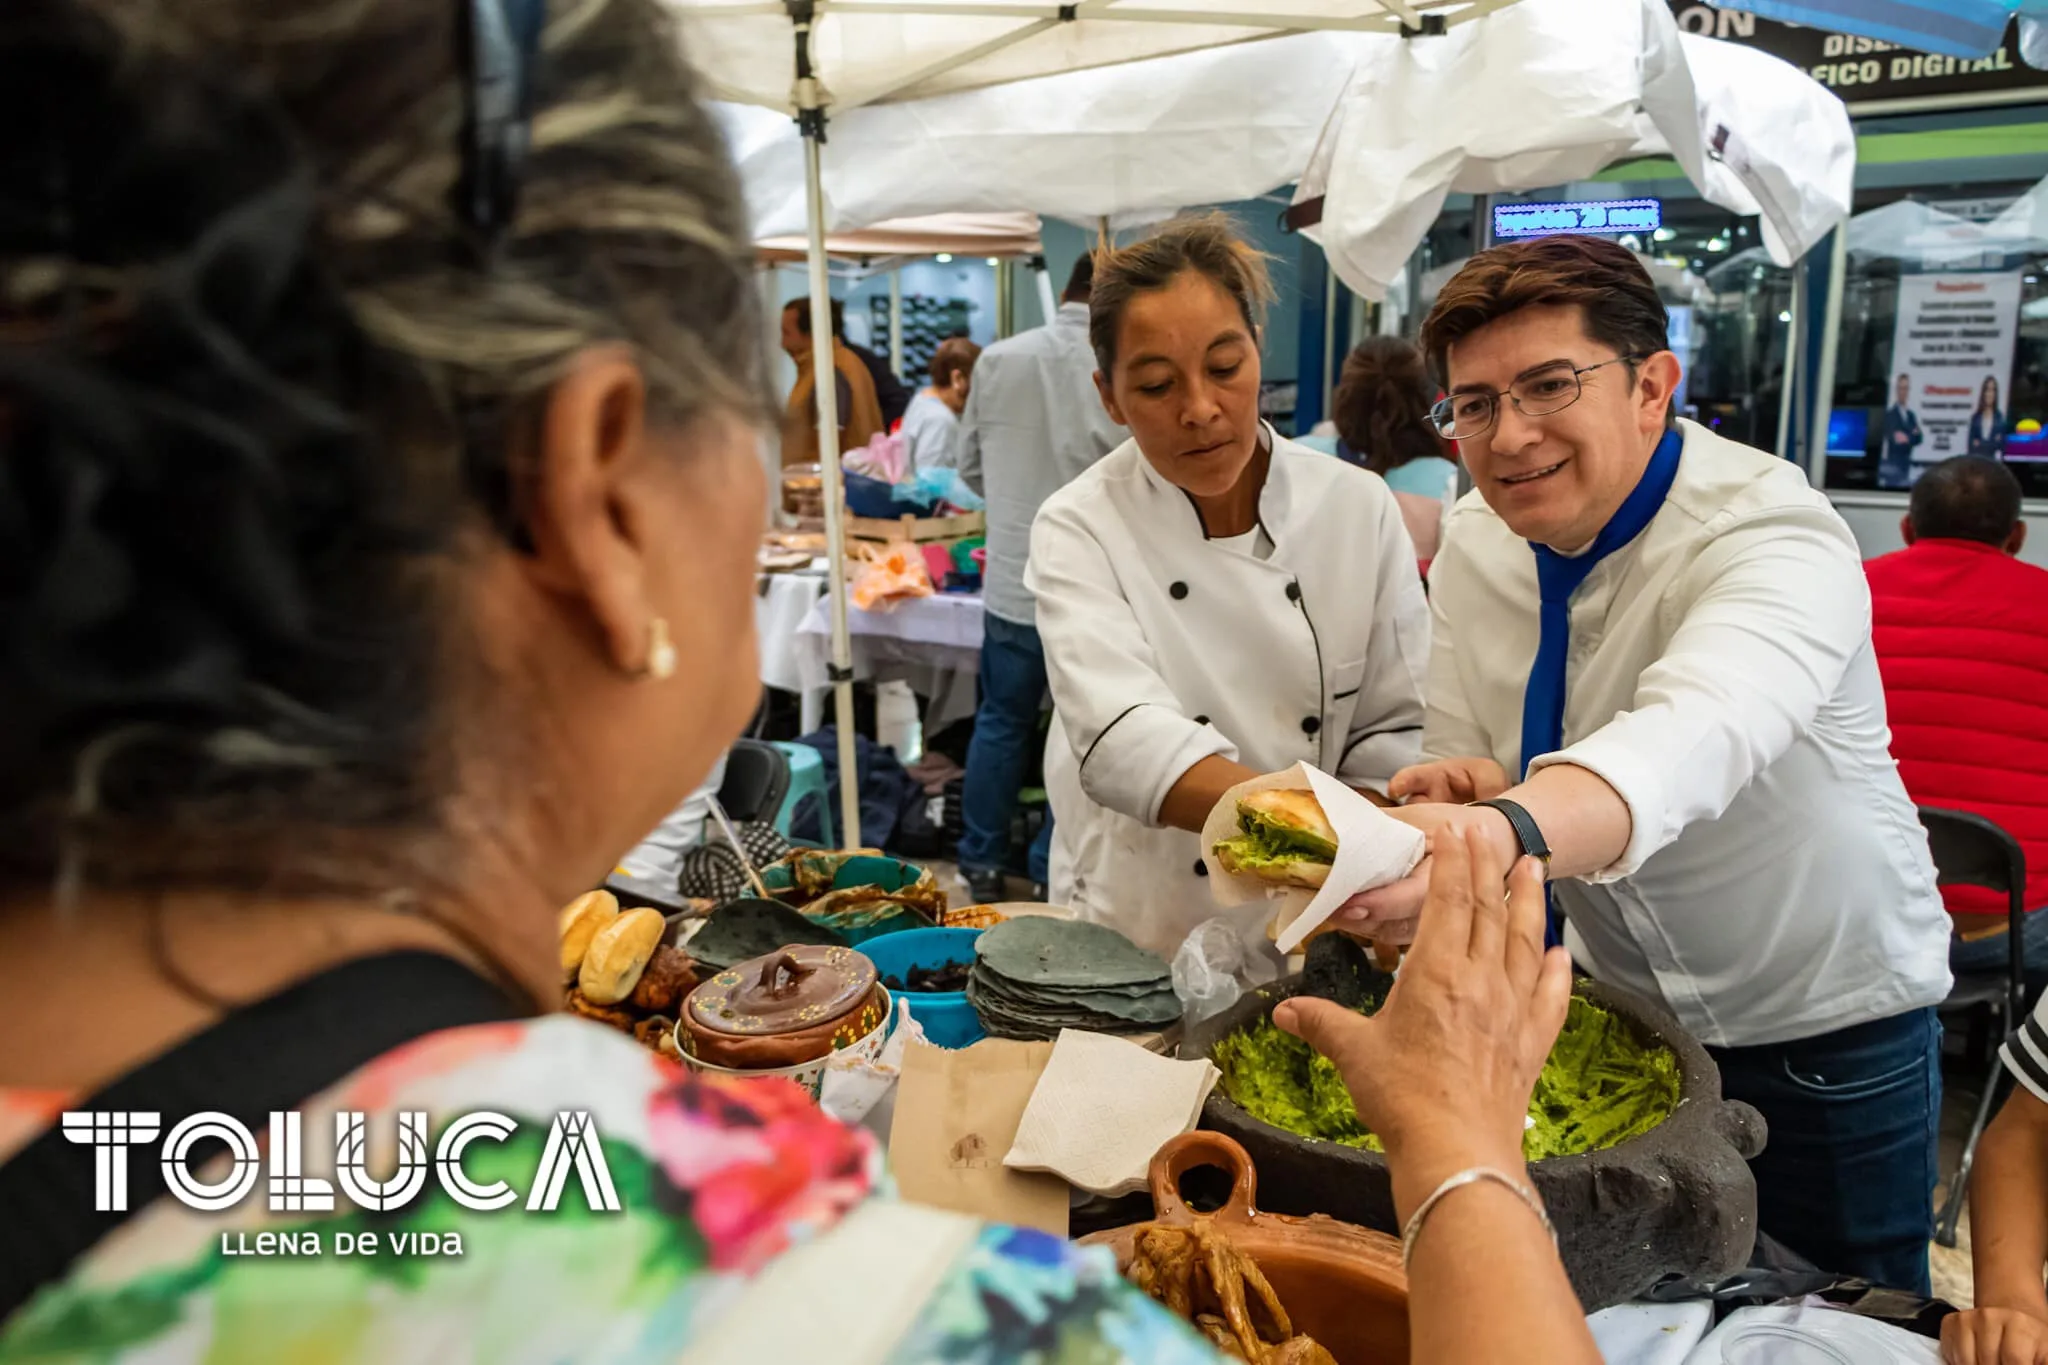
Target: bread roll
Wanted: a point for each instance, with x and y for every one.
(618, 953)
(1291, 808)
(578, 924)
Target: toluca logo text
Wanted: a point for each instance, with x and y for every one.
(572, 1145)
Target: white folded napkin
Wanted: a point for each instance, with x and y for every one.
(1373, 848)
(1103, 1107)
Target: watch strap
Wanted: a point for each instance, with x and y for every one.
(1526, 832)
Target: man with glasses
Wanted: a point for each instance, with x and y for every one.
(1652, 668)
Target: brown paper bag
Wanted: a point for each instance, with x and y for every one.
(956, 1116)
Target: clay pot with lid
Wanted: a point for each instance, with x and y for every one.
(1341, 1284)
(782, 1009)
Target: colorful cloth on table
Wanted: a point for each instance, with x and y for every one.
(718, 1182)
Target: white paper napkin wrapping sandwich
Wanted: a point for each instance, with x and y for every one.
(1373, 849)
(1103, 1107)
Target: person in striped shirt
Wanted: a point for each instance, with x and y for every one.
(2009, 1218)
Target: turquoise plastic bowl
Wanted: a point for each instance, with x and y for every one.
(947, 1018)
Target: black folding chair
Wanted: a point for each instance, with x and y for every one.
(756, 782)
(1972, 851)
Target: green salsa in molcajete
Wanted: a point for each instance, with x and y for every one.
(1600, 1087)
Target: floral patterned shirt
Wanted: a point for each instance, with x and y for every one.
(750, 1227)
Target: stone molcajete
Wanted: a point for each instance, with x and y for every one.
(1677, 1200)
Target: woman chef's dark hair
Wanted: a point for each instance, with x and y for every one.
(1208, 245)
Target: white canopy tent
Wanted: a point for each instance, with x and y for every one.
(1756, 134)
(870, 51)
(1133, 141)
(1554, 91)
(807, 56)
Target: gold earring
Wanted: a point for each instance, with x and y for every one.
(661, 652)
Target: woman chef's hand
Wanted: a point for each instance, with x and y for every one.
(1388, 914)
(1450, 779)
(1478, 988)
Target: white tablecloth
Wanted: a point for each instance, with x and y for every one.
(931, 643)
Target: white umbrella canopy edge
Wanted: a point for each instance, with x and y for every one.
(1129, 143)
(1572, 86)
(961, 234)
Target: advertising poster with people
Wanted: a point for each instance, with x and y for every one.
(1952, 354)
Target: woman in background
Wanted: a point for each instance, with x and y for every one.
(931, 425)
(1987, 423)
(1382, 414)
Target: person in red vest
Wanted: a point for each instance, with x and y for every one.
(1961, 629)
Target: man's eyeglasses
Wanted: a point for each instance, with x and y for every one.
(1536, 394)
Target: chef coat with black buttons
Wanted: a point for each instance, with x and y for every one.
(1305, 642)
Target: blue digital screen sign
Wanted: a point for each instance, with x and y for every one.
(1585, 217)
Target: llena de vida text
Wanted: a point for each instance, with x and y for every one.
(572, 1147)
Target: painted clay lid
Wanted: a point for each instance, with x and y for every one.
(796, 987)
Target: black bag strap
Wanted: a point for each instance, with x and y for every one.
(271, 1055)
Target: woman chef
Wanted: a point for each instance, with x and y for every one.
(1215, 602)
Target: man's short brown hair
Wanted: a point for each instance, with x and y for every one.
(1603, 279)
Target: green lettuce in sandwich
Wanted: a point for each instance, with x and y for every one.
(1286, 839)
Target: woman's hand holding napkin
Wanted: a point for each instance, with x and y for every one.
(1372, 849)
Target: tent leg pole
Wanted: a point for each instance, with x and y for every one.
(825, 370)
(1795, 358)
(1047, 305)
(1830, 320)
(1331, 361)
(896, 321)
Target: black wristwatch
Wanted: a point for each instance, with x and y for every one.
(1526, 833)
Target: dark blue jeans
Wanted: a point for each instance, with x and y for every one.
(1846, 1177)
(1005, 729)
(1994, 953)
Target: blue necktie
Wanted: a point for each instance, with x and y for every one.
(1558, 577)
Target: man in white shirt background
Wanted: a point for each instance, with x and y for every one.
(1032, 423)
(1665, 637)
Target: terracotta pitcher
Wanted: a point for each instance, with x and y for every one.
(1340, 1283)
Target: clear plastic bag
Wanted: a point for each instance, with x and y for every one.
(857, 1090)
(1215, 964)
(936, 486)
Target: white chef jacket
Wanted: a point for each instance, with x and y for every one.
(1164, 647)
(1720, 677)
